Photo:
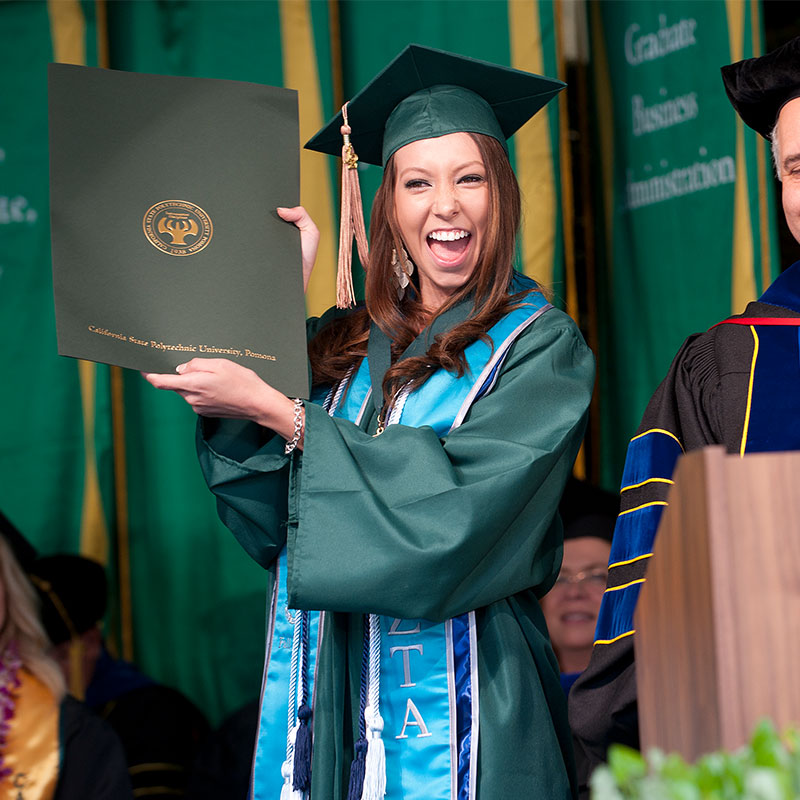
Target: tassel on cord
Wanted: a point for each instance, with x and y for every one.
(287, 791)
(351, 223)
(375, 768)
(302, 746)
(356, 784)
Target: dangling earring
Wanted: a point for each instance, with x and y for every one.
(403, 270)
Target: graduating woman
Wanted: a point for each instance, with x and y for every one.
(413, 501)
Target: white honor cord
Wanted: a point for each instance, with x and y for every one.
(287, 768)
(375, 769)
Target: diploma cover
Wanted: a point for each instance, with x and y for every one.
(166, 244)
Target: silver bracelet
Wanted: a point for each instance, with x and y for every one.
(297, 435)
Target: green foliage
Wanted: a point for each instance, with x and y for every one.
(768, 768)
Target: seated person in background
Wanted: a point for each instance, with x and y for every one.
(222, 767)
(51, 746)
(737, 384)
(160, 729)
(571, 606)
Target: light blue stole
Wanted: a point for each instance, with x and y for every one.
(429, 697)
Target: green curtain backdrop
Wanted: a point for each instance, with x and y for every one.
(93, 459)
(685, 229)
(55, 445)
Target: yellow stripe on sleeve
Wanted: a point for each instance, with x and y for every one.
(630, 561)
(616, 638)
(649, 480)
(749, 391)
(643, 505)
(623, 586)
(659, 430)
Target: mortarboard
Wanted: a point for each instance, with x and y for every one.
(759, 87)
(588, 510)
(423, 93)
(73, 592)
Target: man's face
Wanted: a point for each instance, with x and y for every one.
(788, 132)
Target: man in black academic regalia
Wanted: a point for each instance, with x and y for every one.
(737, 384)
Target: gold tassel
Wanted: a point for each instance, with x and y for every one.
(351, 223)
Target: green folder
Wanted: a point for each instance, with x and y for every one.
(166, 244)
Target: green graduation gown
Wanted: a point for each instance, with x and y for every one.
(411, 525)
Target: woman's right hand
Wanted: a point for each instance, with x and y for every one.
(309, 237)
(218, 387)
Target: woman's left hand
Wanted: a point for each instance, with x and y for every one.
(217, 387)
(309, 237)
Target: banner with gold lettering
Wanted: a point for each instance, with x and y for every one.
(688, 231)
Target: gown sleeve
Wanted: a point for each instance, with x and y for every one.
(683, 414)
(414, 526)
(246, 468)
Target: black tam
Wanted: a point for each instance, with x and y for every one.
(758, 88)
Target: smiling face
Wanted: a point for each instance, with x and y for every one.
(571, 606)
(788, 133)
(441, 205)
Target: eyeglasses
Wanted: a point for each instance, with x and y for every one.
(593, 580)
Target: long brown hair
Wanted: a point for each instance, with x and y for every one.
(341, 343)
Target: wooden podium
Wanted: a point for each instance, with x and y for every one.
(718, 619)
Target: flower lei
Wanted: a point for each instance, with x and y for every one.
(10, 664)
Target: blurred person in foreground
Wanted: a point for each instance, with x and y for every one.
(737, 384)
(414, 501)
(160, 729)
(51, 746)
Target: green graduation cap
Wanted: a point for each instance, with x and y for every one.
(424, 93)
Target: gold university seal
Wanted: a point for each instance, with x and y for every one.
(177, 227)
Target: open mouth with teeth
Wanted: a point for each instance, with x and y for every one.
(449, 247)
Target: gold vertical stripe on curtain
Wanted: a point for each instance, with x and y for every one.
(121, 505)
(605, 125)
(743, 288)
(68, 33)
(567, 206)
(763, 174)
(534, 154)
(300, 72)
(94, 533)
(565, 176)
(102, 33)
(117, 382)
